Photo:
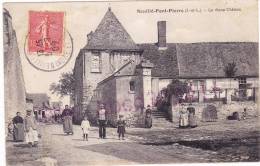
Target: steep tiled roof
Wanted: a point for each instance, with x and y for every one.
(110, 35)
(209, 59)
(165, 61)
(40, 100)
(198, 60)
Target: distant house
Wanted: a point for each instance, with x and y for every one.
(41, 104)
(56, 105)
(29, 103)
(126, 77)
(40, 100)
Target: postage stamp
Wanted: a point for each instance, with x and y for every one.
(48, 46)
(46, 32)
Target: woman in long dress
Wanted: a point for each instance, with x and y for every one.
(18, 130)
(67, 120)
(30, 125)
(183, 120)
(148, 117)
(192, 117)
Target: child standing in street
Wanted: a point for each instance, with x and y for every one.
(244, 114)
(121, 127)
(85, 128)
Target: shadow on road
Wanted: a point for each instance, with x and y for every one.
(24, 145)
(60, 134)
(140, 153)
(108, 138)
(77, 139)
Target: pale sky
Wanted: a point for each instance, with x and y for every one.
(83, 17)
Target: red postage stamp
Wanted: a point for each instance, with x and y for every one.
(46, 32)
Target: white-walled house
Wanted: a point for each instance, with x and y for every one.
(203, 65)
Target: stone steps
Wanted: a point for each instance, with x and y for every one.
(160, 119)
(159, 114)
(162, 123)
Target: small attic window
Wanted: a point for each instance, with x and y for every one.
(131, 86)
(96, 62)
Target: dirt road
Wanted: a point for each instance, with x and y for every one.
(55, 148)
(210, 142)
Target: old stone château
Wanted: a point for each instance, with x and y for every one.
(126, 77)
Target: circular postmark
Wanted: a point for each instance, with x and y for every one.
(53, 60)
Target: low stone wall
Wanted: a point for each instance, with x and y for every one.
(223, 110)
(134, 119)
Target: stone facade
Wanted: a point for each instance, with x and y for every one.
(127, 95)
(117, 103)
(14, 91)
(85, 99)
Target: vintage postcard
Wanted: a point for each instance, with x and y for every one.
(131, 82)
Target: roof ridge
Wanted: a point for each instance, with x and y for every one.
(110, 34)
(115, 72)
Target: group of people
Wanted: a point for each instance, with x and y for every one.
(85, 124)
(187, 118)
(25, 129)
(102, 122)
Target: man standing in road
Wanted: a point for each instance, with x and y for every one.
(102, 121)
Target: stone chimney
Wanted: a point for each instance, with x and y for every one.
(161, 34)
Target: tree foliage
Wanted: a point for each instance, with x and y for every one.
(230, 69)
(177, 88)
(65, 85)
